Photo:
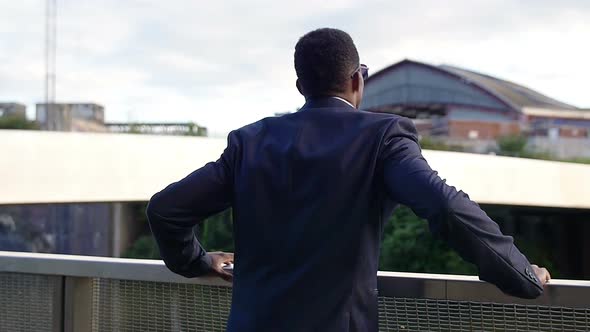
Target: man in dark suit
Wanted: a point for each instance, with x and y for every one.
(310, 192)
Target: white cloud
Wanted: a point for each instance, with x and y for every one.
(226, 63)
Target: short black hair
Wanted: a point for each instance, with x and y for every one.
(324, 60)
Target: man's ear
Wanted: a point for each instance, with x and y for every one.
(298, 85)
(356, 82)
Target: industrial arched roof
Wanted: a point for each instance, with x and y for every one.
(517, 94)
(513, 95)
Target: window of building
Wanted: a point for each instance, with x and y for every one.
(553, 133)
(41, 114)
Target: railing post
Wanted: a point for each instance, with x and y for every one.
(58, 302)
(77, 311)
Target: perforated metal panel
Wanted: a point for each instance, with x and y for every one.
(87, 293)
(399, 314)
(122, 305)
(27, 302)
(125, 305)
(30, 302)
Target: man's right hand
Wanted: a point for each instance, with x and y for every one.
(542, 274)
(219, 260)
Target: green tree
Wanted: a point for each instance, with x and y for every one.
(538, 255)
(134, 128)
(579, 160)
(144, 247)
(513, 145)
(428, 143)
(17, 122)
(408, 246)
(215, 234)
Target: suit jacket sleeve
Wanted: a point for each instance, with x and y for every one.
(173, 212)
(452, 215)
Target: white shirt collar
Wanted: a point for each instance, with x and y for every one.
(344, 100)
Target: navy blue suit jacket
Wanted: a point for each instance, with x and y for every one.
(310, 193)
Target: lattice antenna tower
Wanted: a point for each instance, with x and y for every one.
(50, 51)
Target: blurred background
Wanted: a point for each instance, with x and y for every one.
(104, 103)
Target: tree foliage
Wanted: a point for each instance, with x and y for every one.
(580, 160)
(408, 246)
(16, 122)
(143, 248)
(429, 143)
(516, 146)
(216, 233)
(512, 145)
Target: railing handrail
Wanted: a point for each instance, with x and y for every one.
(96, 267)
(110, 267)
(471, 278)
(559, 292)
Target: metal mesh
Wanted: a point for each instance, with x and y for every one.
(126, 305)
(400, 314)
(123, 305)
(27, 302)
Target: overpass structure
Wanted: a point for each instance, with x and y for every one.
(82, 193)
(63, 167)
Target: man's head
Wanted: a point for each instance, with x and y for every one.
(327, 64)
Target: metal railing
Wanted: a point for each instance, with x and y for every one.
(43, 292)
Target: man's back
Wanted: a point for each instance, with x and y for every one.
(310, 192)
(309, 204)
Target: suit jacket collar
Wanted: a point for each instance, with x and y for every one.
(326, 102)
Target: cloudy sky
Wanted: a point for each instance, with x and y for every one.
(224, 64)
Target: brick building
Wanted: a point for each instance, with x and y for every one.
(459, 104)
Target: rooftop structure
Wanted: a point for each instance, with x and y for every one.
(13, 109)
(460, 103)
(84, 117)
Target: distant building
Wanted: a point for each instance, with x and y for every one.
(13, 109)
(177, 129)
(81, 117)
(460, 104)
